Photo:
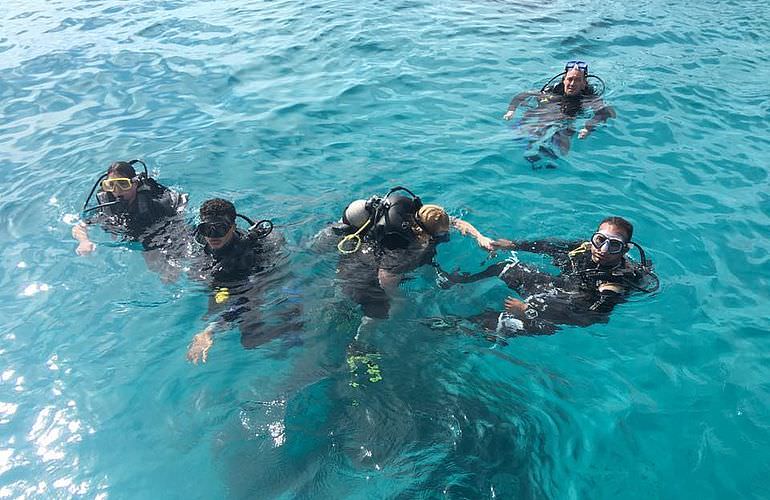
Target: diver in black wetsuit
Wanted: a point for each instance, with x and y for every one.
(595, 276)
(557, 106)
(383, 238)
(133, 206)
(238, 266)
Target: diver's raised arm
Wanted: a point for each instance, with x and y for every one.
(466, 228)
(554, 248)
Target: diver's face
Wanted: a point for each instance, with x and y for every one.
(574, 82)
(221, 242)
(601, 254)
(127, 195)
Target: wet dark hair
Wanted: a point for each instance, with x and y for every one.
(122, 168)
(621, 223)
(216, 208)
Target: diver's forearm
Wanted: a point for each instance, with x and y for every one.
(600, 116)
(518, 99)
(493, 270)
(80, 232)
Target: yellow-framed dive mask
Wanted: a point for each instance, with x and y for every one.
(116, 184)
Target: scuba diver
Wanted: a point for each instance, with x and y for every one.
(550, 121)
(238, 266)
(129, 205)
(384, 237)
(595, 276)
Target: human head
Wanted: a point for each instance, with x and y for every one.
(615, 228)
(575, 81)
(217, 217)
(434, 220)
(123, 170)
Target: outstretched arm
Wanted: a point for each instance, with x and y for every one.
(602, 113)
(467, 228)
(516, 101)
(553, 248)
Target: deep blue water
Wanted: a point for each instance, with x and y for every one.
(292, 109)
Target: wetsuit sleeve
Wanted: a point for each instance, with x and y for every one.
(602, 113)
(493, 270)
(554, 248)
(517, 100)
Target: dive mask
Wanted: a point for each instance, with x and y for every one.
(581, 65)
(216, 228)
(614, 245)
(110, 185)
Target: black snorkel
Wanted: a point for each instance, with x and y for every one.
(86, 209)
(645, 271)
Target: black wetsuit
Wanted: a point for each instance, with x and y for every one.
(358, 272)
(556, 112)
(148, 219)
(239, 275)
(583, 294)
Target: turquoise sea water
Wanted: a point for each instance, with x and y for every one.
(292, 109)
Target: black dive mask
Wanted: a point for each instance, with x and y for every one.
(214, 228)
(217, 227)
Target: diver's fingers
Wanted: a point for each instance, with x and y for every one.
(193, 353)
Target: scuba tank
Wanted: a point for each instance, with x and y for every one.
(387, 220)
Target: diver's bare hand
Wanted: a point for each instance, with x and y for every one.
(503, 244)
(199, 347)
(486, 243)
(508, 115)
(583, 133)
(85, 247)
(515, 306)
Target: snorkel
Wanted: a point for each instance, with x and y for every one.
(139, 178)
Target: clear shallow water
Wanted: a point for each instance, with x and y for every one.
(293, 109)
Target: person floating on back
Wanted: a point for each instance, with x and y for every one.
(549, 121)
